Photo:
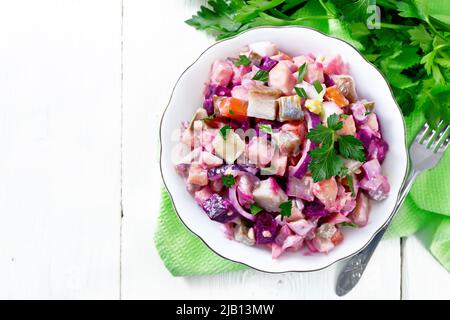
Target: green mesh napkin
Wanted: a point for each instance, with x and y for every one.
(428, 203)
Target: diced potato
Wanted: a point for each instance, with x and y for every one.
(268, 195)
(329, 108)
(263, 48)
(197, 175)
(262, 102)
(290, 108)
(288, 142)
(221, 73)
(209, 160)
(348, 126)
(229, 149)
(311, 92)
(260, 151)
(280, 77)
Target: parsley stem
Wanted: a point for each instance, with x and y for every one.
(326, 8)
(393, 26)
(437, 33)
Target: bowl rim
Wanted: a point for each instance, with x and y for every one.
(389, 218)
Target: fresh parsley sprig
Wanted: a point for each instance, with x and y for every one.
(261, 75)
(242, 61)
(286, 209)
(326, 162)
(410, 44)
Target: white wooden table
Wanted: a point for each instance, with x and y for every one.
(82, 86)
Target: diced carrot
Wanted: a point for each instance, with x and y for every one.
(233, 108)
(335, 95)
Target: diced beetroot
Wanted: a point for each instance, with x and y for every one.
(219, 209)
(267, 64)
(265, 228)
(221, 73)
(315, 209)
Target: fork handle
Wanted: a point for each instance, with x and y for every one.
(355, 266)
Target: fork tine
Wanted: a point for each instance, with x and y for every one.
(428, 137)
(421, 133)
(439, 136)
(445, 144)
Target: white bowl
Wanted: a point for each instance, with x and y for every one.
(187, 97)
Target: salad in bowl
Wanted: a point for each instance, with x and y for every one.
(284, 153)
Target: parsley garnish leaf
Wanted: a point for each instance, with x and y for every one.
(286, 208)
(334, 123)
(266, 128)
(318, 86)
(254, 209)
(261, 75)
(228, 180)
(301, 92)
(302, 72)
(348, 224)
(325, 163)
(351, 148)
(242, 61)
(350, 184)
(321, 134)
(224, 131)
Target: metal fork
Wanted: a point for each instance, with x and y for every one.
(424, 153)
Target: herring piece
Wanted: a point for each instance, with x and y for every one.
(290, 108)
(199, 114)
(269, 195)
(229, 149)
(262, 102)
(346, 85)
